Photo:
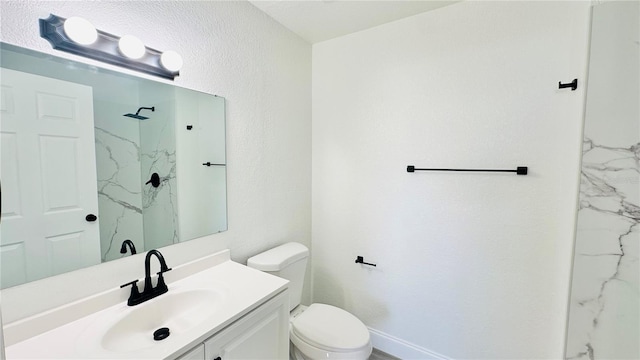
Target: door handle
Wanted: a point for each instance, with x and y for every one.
(91, 218)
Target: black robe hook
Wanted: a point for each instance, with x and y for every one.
(573, 85)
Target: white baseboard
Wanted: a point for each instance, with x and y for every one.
(400, 348)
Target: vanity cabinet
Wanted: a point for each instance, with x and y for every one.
(217, 309)
(261, 334)
(197, 353)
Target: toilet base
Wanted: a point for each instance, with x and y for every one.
(300, 350)
(294, 353)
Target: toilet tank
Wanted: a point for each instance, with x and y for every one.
(288, 261)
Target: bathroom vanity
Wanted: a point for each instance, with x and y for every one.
(258, 335)
(214, 309)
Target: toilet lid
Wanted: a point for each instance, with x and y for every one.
(331, 328)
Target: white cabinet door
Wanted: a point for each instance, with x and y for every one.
(261, 334)
(48, 178)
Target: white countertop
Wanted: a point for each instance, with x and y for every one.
(241, 290)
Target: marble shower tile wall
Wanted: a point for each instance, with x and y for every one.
(118, 172)
(158, 155)
(604, 314)
(604, 306)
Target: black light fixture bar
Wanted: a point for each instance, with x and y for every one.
(104, 49)
(520, 170)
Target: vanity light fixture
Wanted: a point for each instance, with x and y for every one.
(131, 47)
(78, 36)
(171, 60)
(80, 30)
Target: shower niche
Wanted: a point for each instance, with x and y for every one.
(151, 139)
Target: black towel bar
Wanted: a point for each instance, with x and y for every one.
(520, 170)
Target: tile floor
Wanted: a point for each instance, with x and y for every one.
(379, 355)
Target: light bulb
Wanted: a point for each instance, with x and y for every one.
(80, 30)
(131, 47)
(171, 60)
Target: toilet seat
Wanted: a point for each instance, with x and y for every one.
(330, 329)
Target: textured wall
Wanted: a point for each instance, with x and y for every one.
(604, 320)
(470, 265)
(230, 49)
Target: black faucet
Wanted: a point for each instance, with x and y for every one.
(149, 292)
(129, 243)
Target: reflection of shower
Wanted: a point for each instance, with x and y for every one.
(140, 117)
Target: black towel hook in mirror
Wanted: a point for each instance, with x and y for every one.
(155, 180)
(573, 85)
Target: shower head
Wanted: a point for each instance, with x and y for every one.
(137, 114)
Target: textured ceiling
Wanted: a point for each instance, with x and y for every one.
(319, 20)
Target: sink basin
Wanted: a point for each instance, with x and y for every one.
(133, 328)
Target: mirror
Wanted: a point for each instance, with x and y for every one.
(93, 157)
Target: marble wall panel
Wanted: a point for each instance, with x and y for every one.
(158, 155)
(118, 173)
(604, 314)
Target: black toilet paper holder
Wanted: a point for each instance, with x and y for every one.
(360, 260)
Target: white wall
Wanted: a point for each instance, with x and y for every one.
(231, 49)
(470, 265)
(201, 189)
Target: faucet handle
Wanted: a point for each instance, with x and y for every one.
(163, 271)
(132, 283)
(134, 289)
(135, 293)
(161, 286)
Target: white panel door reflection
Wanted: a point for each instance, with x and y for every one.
(48, 177)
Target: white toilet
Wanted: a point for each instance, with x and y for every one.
(319, 331)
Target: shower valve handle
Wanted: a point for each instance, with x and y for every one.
(155, 180)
